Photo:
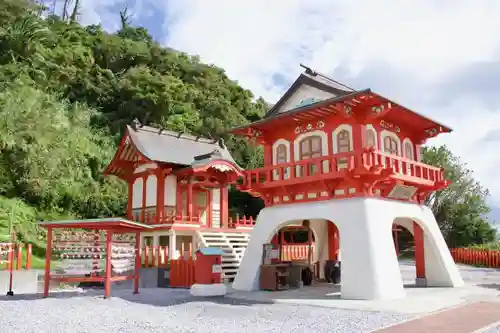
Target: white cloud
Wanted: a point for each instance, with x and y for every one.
(404, 49)
(423, 41)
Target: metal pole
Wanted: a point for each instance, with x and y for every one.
(11, 255)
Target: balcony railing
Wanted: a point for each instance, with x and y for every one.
(170, 217)
(336, 166)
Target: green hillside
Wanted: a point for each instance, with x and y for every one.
(66, 92)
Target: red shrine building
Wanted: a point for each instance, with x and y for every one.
(341, 169)
(347, 164)
(178, 186)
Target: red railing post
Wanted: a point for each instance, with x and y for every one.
(29, 253)
(19, 257)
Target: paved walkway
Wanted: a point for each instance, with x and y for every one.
(472, 308)
(463, 319)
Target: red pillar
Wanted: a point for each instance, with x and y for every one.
(333, 241)
(130, 198)
(268, 154)
(224, 213)
(48, 255)
(107, 279)
(144, 194)
(160, 195)
(137, 262)
(418, 235)
(189, 200)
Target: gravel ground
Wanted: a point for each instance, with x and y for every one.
(170, 310)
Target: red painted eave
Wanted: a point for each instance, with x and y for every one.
(118, 223)
(418, 121)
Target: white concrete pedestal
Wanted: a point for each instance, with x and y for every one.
(370, 268)
(216, 289)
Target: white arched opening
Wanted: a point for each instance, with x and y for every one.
(370, 267)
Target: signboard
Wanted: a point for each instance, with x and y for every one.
(216, 268)
(402, 192)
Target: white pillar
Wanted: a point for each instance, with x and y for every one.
(172, 244)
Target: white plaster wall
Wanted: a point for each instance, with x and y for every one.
(304, 92)
(137, 193)
(145, 167)
(151, 192)
(320, 229)
(370, 268)
(170, 190)
(216, 198)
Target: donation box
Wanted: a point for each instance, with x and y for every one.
(208, 265)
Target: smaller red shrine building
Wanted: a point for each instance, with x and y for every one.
(347, 162)
(178, 185)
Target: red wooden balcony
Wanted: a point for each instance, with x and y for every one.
(367, 162)
(170, 217)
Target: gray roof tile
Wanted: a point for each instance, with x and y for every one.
(171, 147)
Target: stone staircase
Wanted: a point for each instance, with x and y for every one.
(233, 244)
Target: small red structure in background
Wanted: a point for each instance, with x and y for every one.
(108, 226)
(208, 269)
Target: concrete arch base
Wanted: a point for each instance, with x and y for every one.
(370, 268)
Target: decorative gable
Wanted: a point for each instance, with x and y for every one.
(309, 88)
(304, 95)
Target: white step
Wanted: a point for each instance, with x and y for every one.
(233, 244)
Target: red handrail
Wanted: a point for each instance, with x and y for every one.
(338, 164)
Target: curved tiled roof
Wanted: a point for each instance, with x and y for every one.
(171, 147)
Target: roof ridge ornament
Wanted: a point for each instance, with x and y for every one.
(136, 124)
(221, 143)
(312, 72)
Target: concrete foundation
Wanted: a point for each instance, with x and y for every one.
(207, 290)
(369, 263)
(23, 282)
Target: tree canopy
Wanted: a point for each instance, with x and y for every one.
(66, 92)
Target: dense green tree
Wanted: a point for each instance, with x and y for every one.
(66, 92)
(461, 208)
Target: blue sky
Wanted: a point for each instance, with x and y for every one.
(440, 58)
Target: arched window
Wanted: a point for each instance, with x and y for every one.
(343, 142)
(370, 138)
(391, 145)
(310, 147)
(343, 146)
(281, 154)
(409, 150)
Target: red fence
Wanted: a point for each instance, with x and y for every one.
(486, 258)
(12, 255)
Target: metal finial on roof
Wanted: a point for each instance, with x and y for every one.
(312, 72)
(221, 143)
(309, 70)
(136, 124)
